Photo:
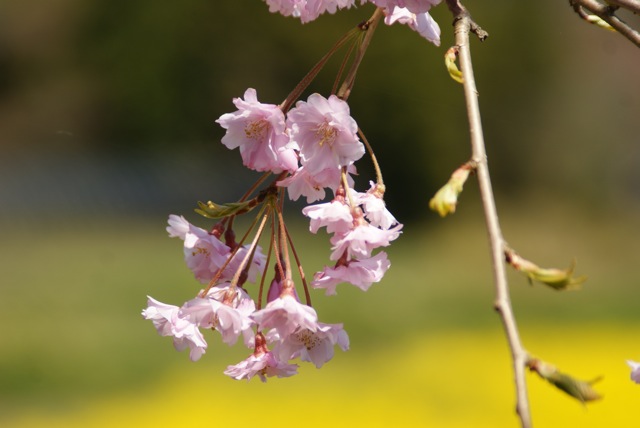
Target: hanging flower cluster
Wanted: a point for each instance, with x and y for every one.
(305, 149)
(311, 149)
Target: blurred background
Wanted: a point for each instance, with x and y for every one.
(107, 113)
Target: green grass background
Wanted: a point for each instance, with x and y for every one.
(426, 347)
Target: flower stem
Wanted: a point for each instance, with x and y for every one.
(369, 28)
(308, 78)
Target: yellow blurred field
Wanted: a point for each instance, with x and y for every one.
(450, 381)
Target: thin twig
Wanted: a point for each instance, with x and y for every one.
(631, 5)
(502, 303)
(607, 13)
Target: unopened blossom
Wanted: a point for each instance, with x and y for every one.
(325, 133)
(259, 131)
(361, 240)
(313, 346)
(307, 10)
(167, 321)
(359, 272)
(225, 309)
(635, 370)
(286, 314)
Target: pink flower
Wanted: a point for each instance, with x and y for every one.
(301, 183)
(259, 131)
(285, 314)
(313, 346)
(167, 321)
(374, 207)
(422, 23)
(361, 273)
(225, 309)
(325, 133)
(205, 254)
(335, 215)
(635, 370)
(361, 240)
(307, 10)
(415, 6)
(262, 363)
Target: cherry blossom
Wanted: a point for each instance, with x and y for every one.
(261, 363)
(286, 314)
(361, 240)
(335, 215)
(324, 133)
(415, 6)
(307, 10)
(422, 23)
(167, 321)
(259, 131)
(225, 309)
(313, 346)
(205, 254)
(374, 207)
(361, 273)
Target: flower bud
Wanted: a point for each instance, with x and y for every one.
(596, 20)
(450, 61)
(445, 200)
(558, 279)
(578, 389)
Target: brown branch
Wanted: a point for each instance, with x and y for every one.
(463, 26)
(607, 13)
(630, 5)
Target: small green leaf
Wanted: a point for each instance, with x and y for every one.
(213, 210)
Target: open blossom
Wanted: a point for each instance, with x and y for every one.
(259, 131)
(167, 321)
(313, 346)
(335, 216)
(361, 240)
(374, 207)
(422, 23)
(415, 6)
(301, 183)
(324, 133)
(307, 10)
(225, 309)
(359, 272)
(205, 254)
(286, 314)
(261, 363)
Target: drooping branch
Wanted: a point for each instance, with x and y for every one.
(607, 13)
(463, 26)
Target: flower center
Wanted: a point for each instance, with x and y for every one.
(326, 134)
(308, 339)
(256, 130)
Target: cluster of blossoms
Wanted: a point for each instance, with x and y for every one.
(309, 149)
(413, 13)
